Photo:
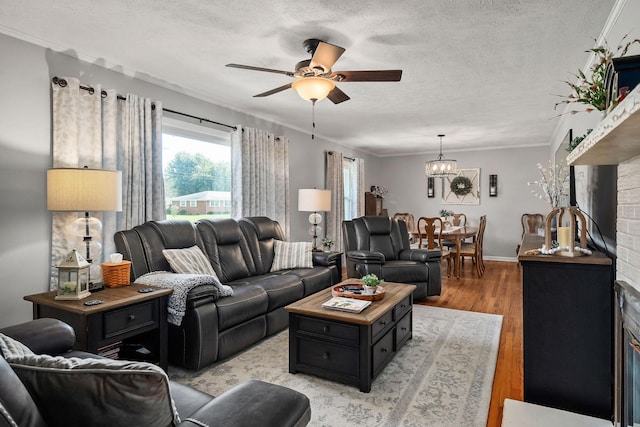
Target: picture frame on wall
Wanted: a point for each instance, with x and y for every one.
(462, 188)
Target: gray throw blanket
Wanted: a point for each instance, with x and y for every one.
(181, 285)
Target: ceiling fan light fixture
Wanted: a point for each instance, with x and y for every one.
(441, 167)
(313, 88)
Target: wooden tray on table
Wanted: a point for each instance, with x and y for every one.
(338, 291)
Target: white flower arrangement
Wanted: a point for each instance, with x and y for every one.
(553, 184)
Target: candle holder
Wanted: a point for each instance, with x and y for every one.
(566, 235)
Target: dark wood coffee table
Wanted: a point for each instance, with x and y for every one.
(352, 348)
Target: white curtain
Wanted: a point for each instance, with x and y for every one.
(94, 128)
(260, 175)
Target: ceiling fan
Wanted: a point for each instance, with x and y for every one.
(314, 78)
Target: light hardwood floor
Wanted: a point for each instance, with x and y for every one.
(499, 291)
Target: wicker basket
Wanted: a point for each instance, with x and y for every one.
(116, 275)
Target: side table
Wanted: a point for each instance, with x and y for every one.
(125, 316)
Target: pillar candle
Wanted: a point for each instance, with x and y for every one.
(564, 237)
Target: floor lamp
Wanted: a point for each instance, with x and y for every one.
(85, 190)
(314, 200)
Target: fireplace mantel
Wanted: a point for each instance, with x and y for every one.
(616, 139)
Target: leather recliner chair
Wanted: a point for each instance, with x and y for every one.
(380, 245)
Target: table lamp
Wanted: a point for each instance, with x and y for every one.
(314, 200)
(85, 190)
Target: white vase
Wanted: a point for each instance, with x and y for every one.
(369, 290)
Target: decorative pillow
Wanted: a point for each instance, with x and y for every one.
(101, 392)
(189, 261)
(291, 255)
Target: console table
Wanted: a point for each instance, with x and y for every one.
(125, 315)
(352, 348)
(568, 330)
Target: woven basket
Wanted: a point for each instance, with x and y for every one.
(116, 275)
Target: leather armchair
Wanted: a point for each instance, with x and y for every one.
(253, 403)
(380, 245)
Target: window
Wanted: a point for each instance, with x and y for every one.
(350, 172)
(197, 163)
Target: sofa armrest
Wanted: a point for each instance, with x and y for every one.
(424, 255)
(366, 257)
(325, 259)
(254, 403)
(43, 336)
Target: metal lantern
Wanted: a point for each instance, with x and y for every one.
(73, 277)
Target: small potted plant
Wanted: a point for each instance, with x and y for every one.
(328, 243)
(370, 282)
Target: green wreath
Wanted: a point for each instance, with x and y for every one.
(461, 185)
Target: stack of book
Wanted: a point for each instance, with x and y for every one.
(347, 304)
(111, 351)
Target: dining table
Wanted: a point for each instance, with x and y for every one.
(457, 234)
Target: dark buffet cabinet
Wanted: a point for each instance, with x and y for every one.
(568, 331)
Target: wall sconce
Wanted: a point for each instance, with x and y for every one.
(431, 187)
(493, 185)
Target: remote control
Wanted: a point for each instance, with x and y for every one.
(93, 302)
(145, 290)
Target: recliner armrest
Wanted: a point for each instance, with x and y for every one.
(43, 336)
(424, 255)
(254, 403)
(325, 258)
(366, 257)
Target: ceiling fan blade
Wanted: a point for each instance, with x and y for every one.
(337, 96)
(268, 70)
(326, 55)
(272, 91)
(368, 76)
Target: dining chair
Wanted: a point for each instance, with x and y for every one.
(408, 219)
(427, 228)
(474, 249)
(530, 224)
(459, 220)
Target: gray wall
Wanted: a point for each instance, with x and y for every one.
(405, 179)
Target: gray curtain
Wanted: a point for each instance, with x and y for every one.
(260, 175)
(98, 131)
(335, 183)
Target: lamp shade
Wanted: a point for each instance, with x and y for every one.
(76, 190)
(313, 88)
(314, 200)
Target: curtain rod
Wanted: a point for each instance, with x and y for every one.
(346, 157)
(103, 94)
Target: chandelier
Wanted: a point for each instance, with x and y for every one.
(441, 167)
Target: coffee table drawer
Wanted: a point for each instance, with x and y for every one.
(330, 329)
(382, 352)
(403, 330)
(402, 307)
(381, 324)
(129, 319)
(331, 357)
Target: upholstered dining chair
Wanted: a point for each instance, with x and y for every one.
(410, 221)
(427, 228)
(530, 224)
(474, 249)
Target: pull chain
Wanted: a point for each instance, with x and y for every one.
(313, 119)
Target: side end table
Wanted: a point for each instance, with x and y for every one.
(125, 316)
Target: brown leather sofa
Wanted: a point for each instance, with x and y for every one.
(254, 403)
(380, 245)
(241, 253)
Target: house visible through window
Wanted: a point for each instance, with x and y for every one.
(197, 170)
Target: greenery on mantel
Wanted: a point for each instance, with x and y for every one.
(577, 140)
(590, 90)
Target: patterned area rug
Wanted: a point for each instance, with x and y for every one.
(442, 377)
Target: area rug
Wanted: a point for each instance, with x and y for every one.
(442, 377)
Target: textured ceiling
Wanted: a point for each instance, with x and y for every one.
(483, 72)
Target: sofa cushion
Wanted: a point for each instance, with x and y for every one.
(77, 392)
(281, 289)
(289, 255)
(246, 303)
(189, 261)
(19, 407)
(314, 279)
